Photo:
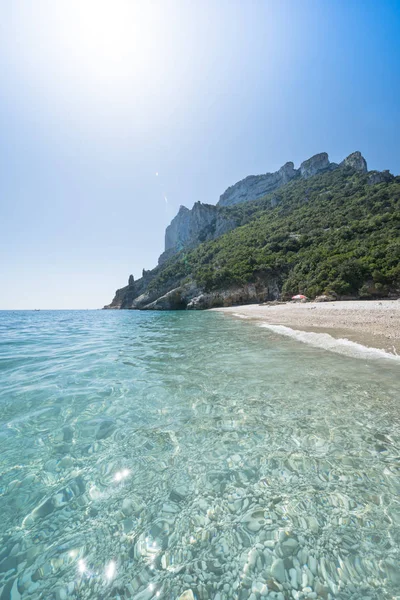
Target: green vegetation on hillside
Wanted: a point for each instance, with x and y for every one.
(333, 232)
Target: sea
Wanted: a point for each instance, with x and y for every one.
(193, 456)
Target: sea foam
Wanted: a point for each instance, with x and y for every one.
(327, 342)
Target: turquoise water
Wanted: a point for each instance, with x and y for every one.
(167, 455)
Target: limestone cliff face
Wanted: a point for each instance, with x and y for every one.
(125, 297)
(355, 161)
(375, 177)
(191, 297)
(206, 221)
(139, 295)
(316, 164)
(262, 290)
(257, 186)
(192, 227)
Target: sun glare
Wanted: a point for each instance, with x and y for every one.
(112, 38)
(101, 65)
(91, 42)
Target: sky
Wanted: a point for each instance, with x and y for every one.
(114, 113)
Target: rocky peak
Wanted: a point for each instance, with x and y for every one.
(204, 221)
(287, 172)
(356, 161)
(257, 186)
(183, 210)
(188, 227)
(314, 165)
(178, 224)
(375, 177)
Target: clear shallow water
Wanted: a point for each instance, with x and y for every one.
(143, 455)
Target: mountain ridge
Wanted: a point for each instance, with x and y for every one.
(189, 227)
(221, 260)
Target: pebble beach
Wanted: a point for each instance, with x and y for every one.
(371, 323)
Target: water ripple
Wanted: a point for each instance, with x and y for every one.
(184, 455)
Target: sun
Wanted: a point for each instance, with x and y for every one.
(112, 39)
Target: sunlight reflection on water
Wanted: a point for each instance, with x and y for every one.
(144, 455)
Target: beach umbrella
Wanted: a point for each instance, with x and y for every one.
(299, 297)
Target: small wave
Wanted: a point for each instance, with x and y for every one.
(327, 342)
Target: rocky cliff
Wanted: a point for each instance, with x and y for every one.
(171, 285)
(355, 161)
(256, 186)
(192, 227)
(206, 221)
(316, 164)
(176, 295)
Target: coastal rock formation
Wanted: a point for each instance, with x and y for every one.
(120, 300)
(205, 222)
(256, 186)
(172, 300)
(172, 285)
(192, 227)
(314, 165)
(355, 161)
(128, 296)
(260, 291)
(190, 296)
(379, 177)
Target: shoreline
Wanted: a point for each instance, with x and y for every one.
(369, 323)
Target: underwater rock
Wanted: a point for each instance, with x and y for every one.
(278, 570)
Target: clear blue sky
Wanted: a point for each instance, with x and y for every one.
(97, 96)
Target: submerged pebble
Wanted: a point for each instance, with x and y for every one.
(153, 480)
